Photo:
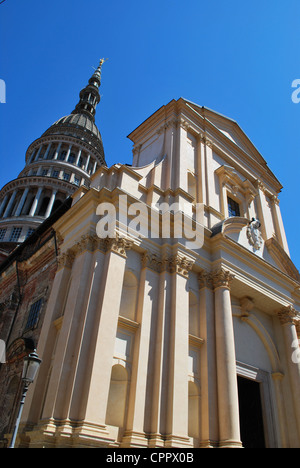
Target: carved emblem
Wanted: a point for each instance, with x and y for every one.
(254, 234)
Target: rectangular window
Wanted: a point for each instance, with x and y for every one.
(55, 173)
(34, 314)
(15, 234)
(45, 172)
(2, 234)
(66, 176)
(233, 208)
(77, 181)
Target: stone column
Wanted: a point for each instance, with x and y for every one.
(139, 406)
(68, 153)
(22, 201)
(8, 210)
(178, 268)
(208, 374)
(36, 202)
(278, 223)
(94, 167)
(47, 151)
(160, 353)
(102, 324)
(87, 163)
(51, 203)
(287, 317)
(78, 156)
(38, 153)
(43, 388)
(57, 151)
(228, 405)
(3, 204)
(266, 228)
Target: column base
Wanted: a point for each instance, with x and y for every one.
(134, 439)
(156, 441)
(230, 444)
(178, 442)
(68, 434)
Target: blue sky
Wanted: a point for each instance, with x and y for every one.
(236, 57)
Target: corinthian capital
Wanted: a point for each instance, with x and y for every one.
(287, 315)
(178, 264)
(205, 280)
(222, 278)
(66, 259)
(118, 245)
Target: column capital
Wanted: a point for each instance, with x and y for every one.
(287, 315)
(118, 245)
(66, 259)
(152, 261)
(87, 242)
(178, 264)
(205, 280)
(222, 278)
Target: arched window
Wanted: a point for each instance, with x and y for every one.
(116, 405)
(129, 296)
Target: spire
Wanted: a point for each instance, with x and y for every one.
(89, 96)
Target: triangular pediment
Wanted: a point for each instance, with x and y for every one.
(232, 132)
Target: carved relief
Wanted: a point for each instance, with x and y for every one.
(222, 278)
(152, 261)
(66, 260)
(117, 244)
(254, 234)
(287, 315)
(205, 280)
(177, 264)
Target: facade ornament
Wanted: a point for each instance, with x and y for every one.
(152, 261)
(287, 315)
(178, 264)
(247, 304)
(222, 278)
(66, 259)
(117, 245)
(205, 280)
(254, 234)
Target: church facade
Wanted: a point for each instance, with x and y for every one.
(173, 314)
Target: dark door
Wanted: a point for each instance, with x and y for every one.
(251, 418)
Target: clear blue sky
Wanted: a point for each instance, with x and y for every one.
(236, 57)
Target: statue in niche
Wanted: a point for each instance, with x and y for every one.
(254, 234)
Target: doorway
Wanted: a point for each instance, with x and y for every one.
(251, 416)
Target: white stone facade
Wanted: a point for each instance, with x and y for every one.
(144, 337)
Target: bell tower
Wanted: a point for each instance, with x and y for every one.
(62, 159)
